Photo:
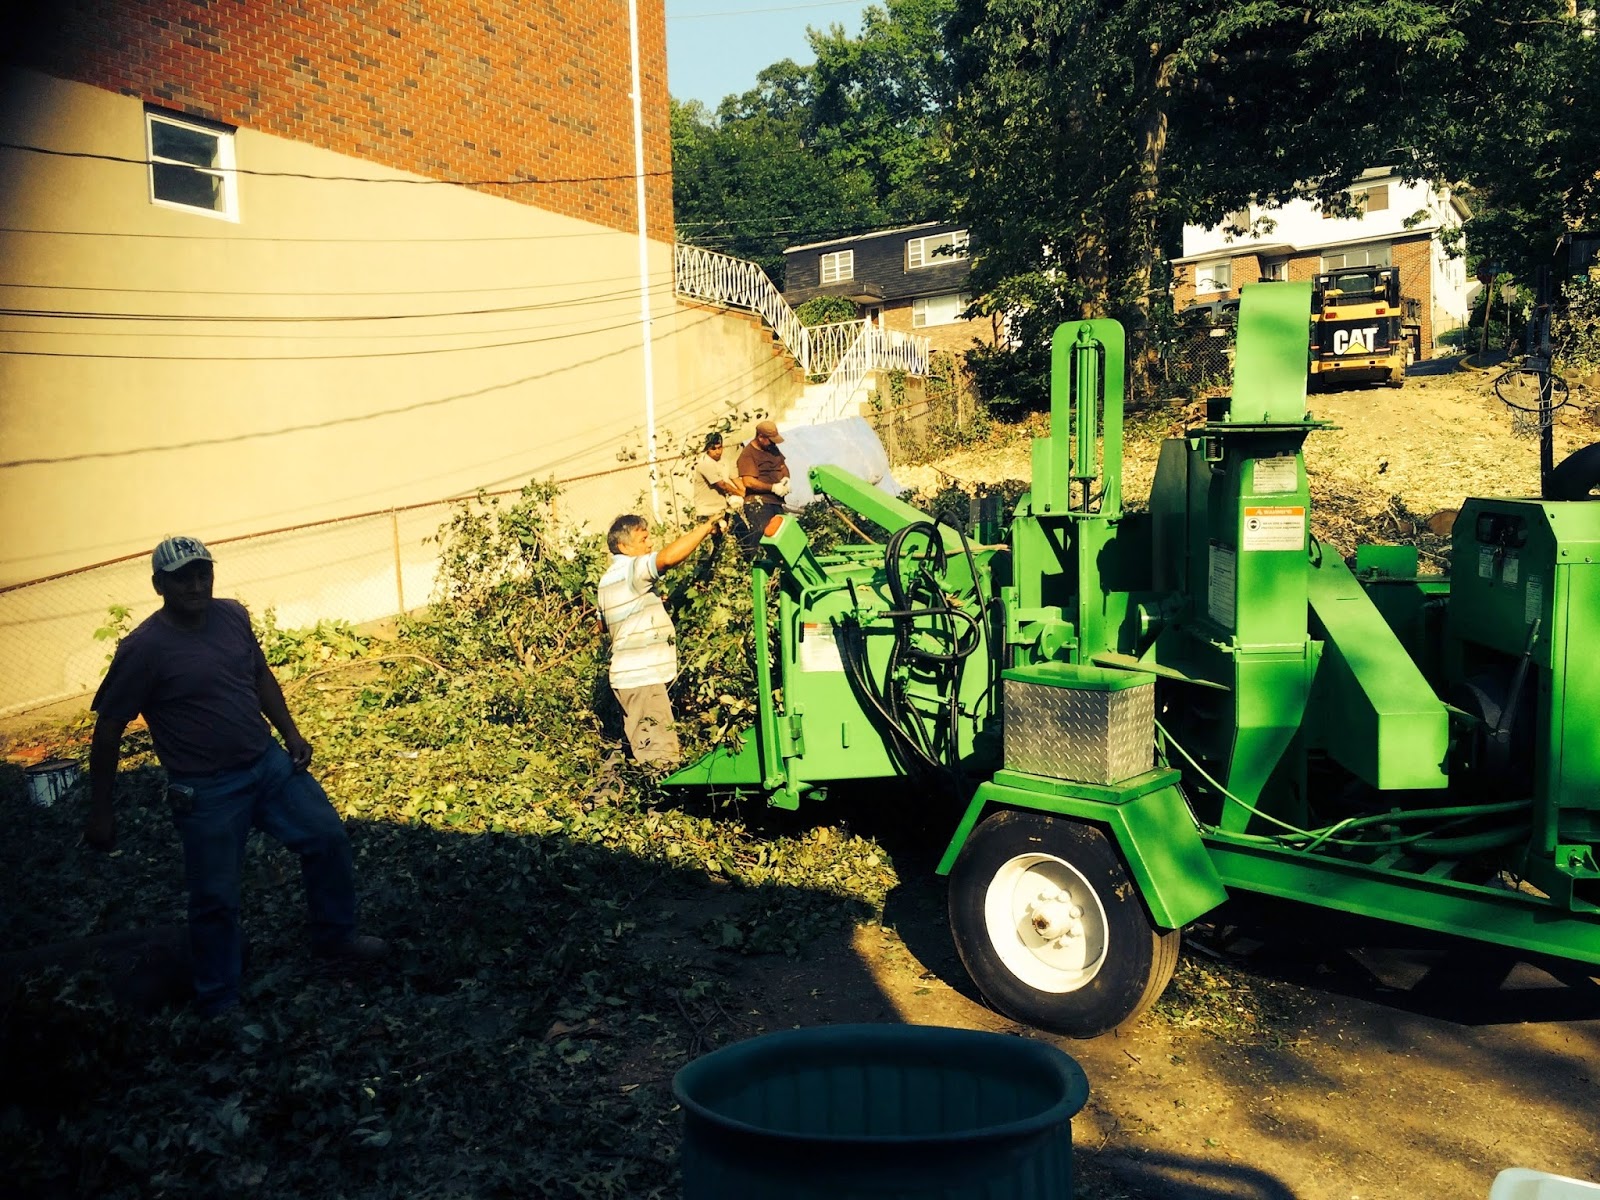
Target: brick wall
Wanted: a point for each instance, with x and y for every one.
(1412, 255)
(956, 337)
(449, 89)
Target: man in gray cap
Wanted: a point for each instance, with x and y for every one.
(765, 475)
(196, 672)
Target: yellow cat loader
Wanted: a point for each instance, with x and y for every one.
(1356, 328)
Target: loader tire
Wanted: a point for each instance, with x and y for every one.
(1578, 475)
(1051, 927)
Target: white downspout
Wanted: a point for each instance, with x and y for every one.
(644, 261)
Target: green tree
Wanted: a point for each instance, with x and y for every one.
(1528, 144)
(813, 152)
(1087, 133)
(878, 103)
(743, 182)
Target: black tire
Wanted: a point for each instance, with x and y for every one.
(1578, 475)
(1110, 962)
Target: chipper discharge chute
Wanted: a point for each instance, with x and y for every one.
(1139, 712)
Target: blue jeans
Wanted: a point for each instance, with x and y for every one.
(291, 806)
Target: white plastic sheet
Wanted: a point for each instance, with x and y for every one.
(850, 444)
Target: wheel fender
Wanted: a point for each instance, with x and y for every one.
(1153, 831)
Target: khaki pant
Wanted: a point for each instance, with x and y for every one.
(647, 720)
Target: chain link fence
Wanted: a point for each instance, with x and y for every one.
(372, 566)
(1186, 365)
(359, 569)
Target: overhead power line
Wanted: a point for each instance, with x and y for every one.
(515, 181)
(560, 337)
(460, 291)
(263, 319)
(314, 241)
(750, 12)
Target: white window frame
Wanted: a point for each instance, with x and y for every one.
(223, 170)
(1364, 197)
(1374, 254)
(842, 264)
(1214, 276)
(944, 315)
(924, 251)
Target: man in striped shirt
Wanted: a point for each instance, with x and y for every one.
(644, 654)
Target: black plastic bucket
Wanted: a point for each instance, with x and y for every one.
(886, 1112)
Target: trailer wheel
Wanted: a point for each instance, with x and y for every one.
(1052, 929)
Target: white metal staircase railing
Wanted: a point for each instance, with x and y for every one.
(846, 352)
(826, 345)
(874, 350)
(722, 279)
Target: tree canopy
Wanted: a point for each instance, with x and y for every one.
(846, 145)
(1075, 138)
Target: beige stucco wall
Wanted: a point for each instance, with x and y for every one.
(343, 348)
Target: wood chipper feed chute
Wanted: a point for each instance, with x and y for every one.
(1142, 711)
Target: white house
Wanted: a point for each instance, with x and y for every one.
(1397, 224)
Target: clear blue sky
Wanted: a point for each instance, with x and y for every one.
(716, 47)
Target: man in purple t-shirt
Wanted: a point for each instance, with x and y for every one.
(196, 672)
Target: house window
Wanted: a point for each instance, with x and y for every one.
(1357, 256)
(1366, 200)
(1275, 270)
(1237, 220)
(191, 165)
(839, 266)
(1372, 199)
(930, 251)
(938, 310)
(1213, 276)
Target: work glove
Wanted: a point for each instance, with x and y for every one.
(781, 488)
(734, 503)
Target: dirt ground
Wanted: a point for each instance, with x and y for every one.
(1356, 1065)
(1370, 1071)
(1375, 1070)
(1440, 438)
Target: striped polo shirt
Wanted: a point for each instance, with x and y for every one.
(643, 649)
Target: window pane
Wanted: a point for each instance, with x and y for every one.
(193, 146)
(1214, 277)
(839, 266)
(1378, 198)
(185, 185)
(935, 249)
(937, 310)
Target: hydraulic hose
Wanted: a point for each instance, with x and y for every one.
(1429, 841)
(931, 638)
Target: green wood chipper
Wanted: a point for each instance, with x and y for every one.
(1133, 714)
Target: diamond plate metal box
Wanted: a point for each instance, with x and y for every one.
(1086, 724)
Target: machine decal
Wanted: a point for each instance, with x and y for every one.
(1274, 527)
(1533, 600)
(819, 649)
(1221, 585)
(1361, 340)
(1512, 570)
(1272, 475)
(1485, 562)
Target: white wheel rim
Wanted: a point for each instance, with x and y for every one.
(1046, 923)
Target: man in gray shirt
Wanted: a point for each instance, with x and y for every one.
(715, 491)
(196, 672)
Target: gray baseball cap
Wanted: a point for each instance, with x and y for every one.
(177, 552)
